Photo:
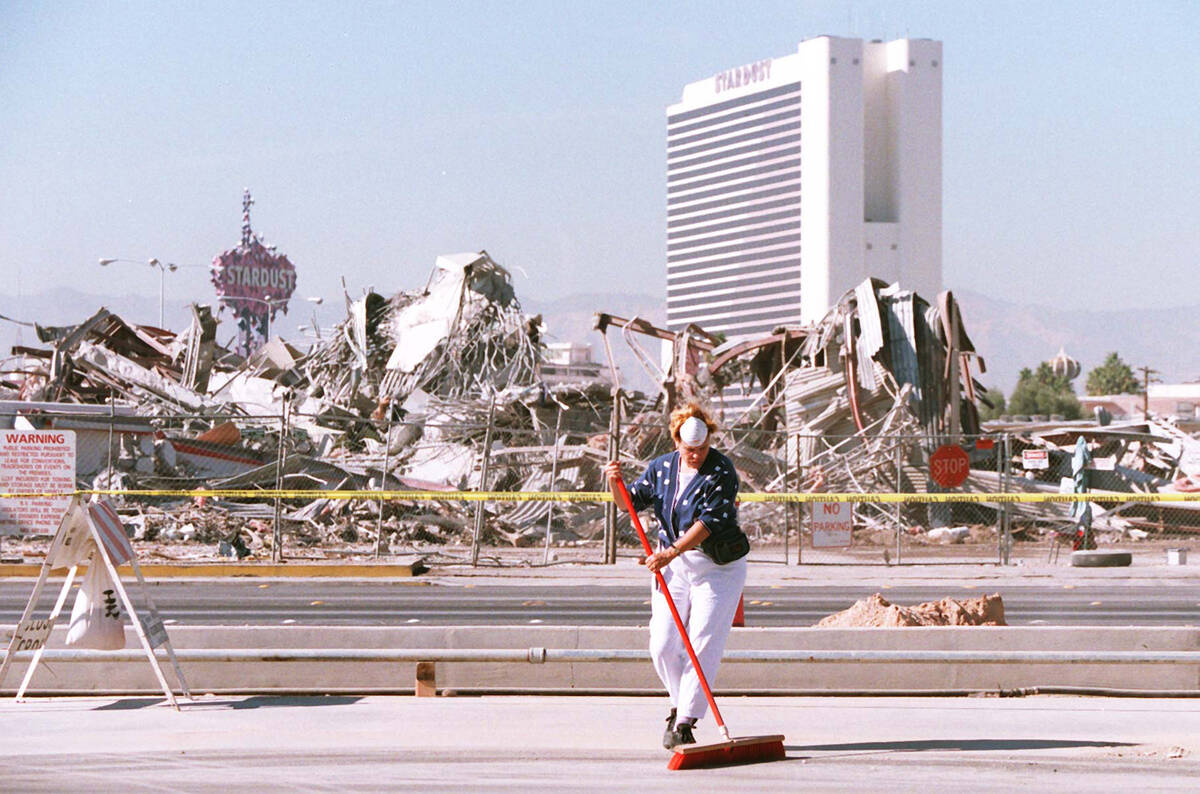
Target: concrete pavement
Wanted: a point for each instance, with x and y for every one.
(595, 744)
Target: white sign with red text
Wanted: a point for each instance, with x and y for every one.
(1035, 459)
(832, 523)
(35, 461)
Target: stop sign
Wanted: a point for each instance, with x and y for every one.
(948, 466)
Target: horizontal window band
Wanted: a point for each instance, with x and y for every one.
(714, 125)
(791, 204)
(772, 256)
(778, 277)
(740, 305)
(741, 247)
(790, 224)
(730, 104)
(736, 294)
(763, 145)
(680, 212)
(743, 223)
(790, 175)
(791, 110)
(733, 276)
(757, 134)
(723, 158)
(738, 323)
(762, 157)
(753, 284)
(727, 181)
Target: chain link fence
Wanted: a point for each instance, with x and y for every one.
(317, 460)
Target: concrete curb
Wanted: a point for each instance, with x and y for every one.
(639, 677)
(225, 570)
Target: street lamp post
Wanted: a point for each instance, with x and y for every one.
(162, 267)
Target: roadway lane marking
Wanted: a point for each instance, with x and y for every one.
(535, 620)
(413, 620)
(1095, 603)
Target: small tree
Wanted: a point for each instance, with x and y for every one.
(1043, 392)
(996, 398)
(1114, 376)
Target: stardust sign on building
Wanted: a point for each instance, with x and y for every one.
(254, 282)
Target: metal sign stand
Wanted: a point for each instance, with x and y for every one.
(79, 524)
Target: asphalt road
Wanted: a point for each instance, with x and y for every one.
(418, 602)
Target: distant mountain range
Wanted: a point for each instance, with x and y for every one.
(1008, 335)
(1011, 336)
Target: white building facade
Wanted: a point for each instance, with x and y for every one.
(790, 180)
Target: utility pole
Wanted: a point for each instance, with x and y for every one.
(1147, 378)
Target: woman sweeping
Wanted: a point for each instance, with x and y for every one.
(701, 555)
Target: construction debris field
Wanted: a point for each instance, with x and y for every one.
(452, 388)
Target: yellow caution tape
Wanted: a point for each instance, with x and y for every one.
(604, 496)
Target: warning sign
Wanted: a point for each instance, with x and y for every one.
(832, 523)
(1035, 459)
(35, 461)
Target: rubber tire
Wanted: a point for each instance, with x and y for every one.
(1101, 559)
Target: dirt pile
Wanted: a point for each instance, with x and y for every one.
(878, 612)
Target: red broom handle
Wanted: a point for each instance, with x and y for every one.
(662, 587)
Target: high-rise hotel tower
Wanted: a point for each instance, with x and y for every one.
(790, 180)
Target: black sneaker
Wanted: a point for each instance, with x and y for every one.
(669, 733)
(681, 735)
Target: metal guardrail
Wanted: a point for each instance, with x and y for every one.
(538, 655)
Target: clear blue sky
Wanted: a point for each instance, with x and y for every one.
(377, 135)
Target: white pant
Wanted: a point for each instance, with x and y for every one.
(706, 595)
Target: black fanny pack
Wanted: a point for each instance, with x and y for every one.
(726, 549)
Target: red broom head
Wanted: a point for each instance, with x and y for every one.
(746, 750)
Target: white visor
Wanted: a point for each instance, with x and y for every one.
(693, 432)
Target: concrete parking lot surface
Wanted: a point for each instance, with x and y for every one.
(595, 744)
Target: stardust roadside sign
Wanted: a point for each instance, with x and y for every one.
(254, 281)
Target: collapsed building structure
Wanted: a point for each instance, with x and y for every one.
(858, 402)
(441, 389)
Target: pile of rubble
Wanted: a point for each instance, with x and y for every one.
(442, 389)
(438, 389)
(1152, 456)
(854, 403)
(877, 612)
